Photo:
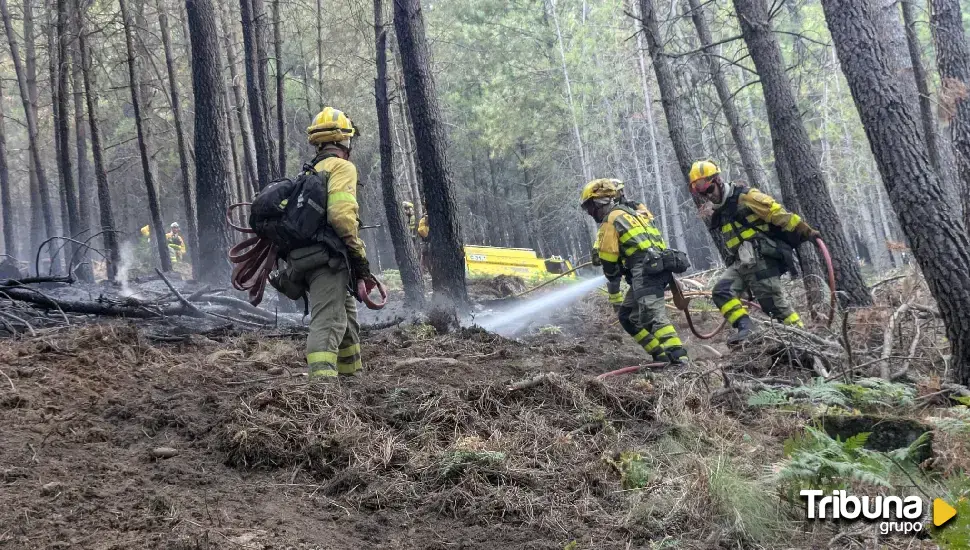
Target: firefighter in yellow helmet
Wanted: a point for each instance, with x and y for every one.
(328, 270)
(410, 220)
(628, 245)
(176, 244)
(759, 235)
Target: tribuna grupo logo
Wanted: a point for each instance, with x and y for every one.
(897, 514)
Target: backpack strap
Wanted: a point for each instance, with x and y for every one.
(310, 167)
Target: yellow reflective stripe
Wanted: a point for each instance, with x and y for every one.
(763, 227)
(752, 218)
(733, 243)
(349, 368)
(631, 233)
(616, 298)
(727, 228)
(341, 196)
(792, 319)
(673, 343)
(747, 234)
(729, 305)
(349, 351)
(641, 335)
(651, 345)
(321, 357)
(737, 314)
(664, 331)
(792, 222)
(609, 256)
(323, 373)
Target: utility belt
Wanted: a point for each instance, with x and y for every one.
(778, 256)
(329, 252)
(656, 262)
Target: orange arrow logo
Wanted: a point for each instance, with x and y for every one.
(942, 512)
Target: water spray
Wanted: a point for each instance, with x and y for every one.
(513, 320)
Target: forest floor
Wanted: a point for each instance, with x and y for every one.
(111, 439)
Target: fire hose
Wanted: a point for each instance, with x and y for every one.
(255, 258)
(683, 302)
(561, 275)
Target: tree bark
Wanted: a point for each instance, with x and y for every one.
(211, 172)
(937, 234)
(256, 96)
(786, 122)
(173, 90)
(922, 88)
(239, 94)
(31, 115)
(280, 88)
(953, 62)
(447, 258)
(85, 185)
(154, 208)
(749, 160)
(9, 236)
(583, 159)
(110, 237)
(404, 250)
(320, 51)
(673, 113)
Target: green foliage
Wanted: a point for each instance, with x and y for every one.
(813, 460)
(957, 422)
(745, 505)
(962, 400)
(550, 330)
(864, 394)
(633, 469)
(392, 279)
(456, 462)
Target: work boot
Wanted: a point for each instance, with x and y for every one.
(746, 328)
(678, 356)
(322, 373)
(660, 357)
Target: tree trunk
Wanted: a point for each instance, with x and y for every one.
(953, 62)
(66, 248)
(404, 251)
(319, 52)
(447, 258)
(9, 237)
(38, 231)
(187, 194)
(583, 159)
(935, 230)
(31, 116)
(749, 159)
(280, 87)
(211, 172)
(262, 44)
(256, 96)
(673, 113)
(249, 154)
(154, 208)
(85, 185)
(110, 237)
(925, 99)
(786, 123)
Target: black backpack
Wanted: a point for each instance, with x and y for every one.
(292, 213)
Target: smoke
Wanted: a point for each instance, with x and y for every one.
(127, 261)
(512, 321)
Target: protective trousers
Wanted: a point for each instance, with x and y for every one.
(333, 344)
(629, 315)
(764, 280)
(654, 331)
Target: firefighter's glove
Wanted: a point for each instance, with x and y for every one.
(360, 269)
(806, 231)
(595, 257)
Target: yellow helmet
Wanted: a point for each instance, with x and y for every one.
(144, 231)
(602, 188)
(703, 169)
(330, 126)
(407, 204)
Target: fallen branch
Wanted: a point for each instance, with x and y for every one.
(530, 382)
(100, 307)
(887, 340)
(912, 351)
(32, 280)
(194, 311)
(241, 305)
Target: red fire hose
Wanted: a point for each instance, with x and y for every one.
(832, 297)
(254, 258)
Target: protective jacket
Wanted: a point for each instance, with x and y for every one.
(750, 215)
(624, 239)
(342, 207)
(423, 228)
(176, 244)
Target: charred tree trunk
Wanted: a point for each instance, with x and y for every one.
(256, 96)
(922, 88)
(31, 115)
(749, 160)
(786, 123)
(280, 88)
(447, 259)
(37, 230)
(53, 54)
(173, 90)
(9, 237)
(953, 62)
(154, 208)
(935, 230)
(100, 166)
(319, 52)
(85, 184)
(262, 56)
(672, 110)
(211, 172)
(404, 251)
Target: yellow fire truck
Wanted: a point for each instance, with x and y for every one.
(522, 262)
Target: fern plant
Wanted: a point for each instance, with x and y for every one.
(865, 394)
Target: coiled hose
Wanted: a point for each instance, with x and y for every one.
(826, 257)
(253, 259)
